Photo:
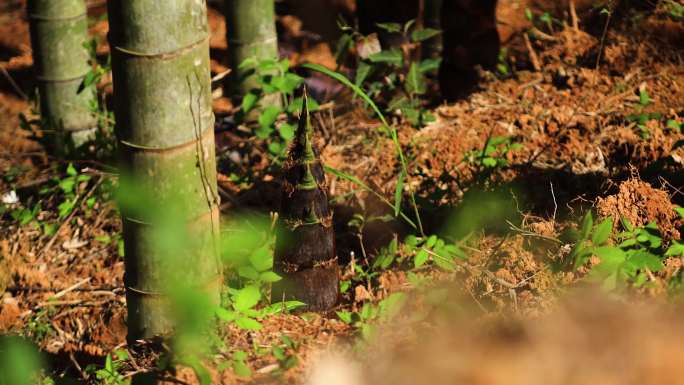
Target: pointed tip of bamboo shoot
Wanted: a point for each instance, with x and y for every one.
(305, 131)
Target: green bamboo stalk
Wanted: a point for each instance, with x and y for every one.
(305, 254)
(251, 33)
(59, 31)
(160, 63)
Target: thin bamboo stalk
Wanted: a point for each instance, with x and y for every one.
(59, 32)
(251, 33)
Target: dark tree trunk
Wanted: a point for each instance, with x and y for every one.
(469, 38)
(305, 248)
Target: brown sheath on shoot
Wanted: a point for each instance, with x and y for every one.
(305, 247)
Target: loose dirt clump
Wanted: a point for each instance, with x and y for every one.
(507, 269)
(640, 203)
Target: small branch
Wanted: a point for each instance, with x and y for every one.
(603, 39)
(531, 234)
(573, 16)
(13, 84)
(555, 204)
(70, 288)
(533, 54)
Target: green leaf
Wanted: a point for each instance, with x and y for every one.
(287, 83)
(278, 307)
(443, 262)
(528, 14)
(342, 47)
(392, 56)
(71, 170)
(429, 65)
(455, 251)
(249, 101)
(263, 132)
(602, 232)
(390, 306)
(627, 224)
(641, 259)
(345, 316)
(489, 162)
(390, 27)
(344, 286)
(419, 35)
(362, 72)
(367, 312)
(297, 104)
(269, 116)
(581, 255)
(247, 323)
(673, 124)
(680, 211)
(587, 224)
(262, 258)
(224, 314)
(415, 82)
(109, 365)
(241, 369)
(398, 193)
(421, 258)
(66, 207)
(247, 298)
(411, 240)
(67, 185)
(276, 148)
(644, 98)
(90, 78)
(248, 272)
(610, 255)
(675, 249)
(286, 131)
(270, 277)
(431, 241)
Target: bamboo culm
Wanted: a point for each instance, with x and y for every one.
(251, 33)
(59, 32)
(164, 125)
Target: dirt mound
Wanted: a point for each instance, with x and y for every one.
(640, 203)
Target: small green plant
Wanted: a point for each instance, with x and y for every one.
(274, 77)
(110, 374)
(675, 10)
(419, 250)
(641, 118)
(502, 66)
(369, 314)
(494, 153)
(396, 74)
(638, 252)
(285, 352)
(39, 327)
(543, 20)
(248, 251)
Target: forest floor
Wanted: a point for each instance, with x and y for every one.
(605, 138)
